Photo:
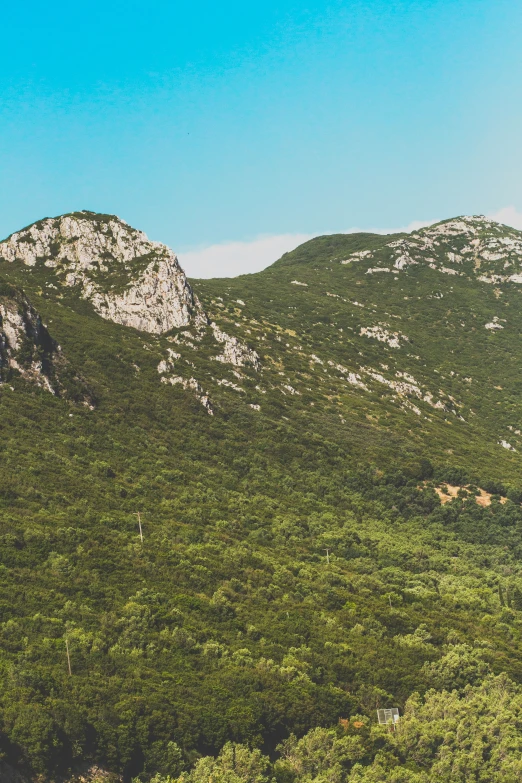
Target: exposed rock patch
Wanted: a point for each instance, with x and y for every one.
(193, 385)
(234, 351)
(383, 335)
(28, 350)
(448, 247)
(129, 279)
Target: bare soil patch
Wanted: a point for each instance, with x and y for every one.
(447, 492)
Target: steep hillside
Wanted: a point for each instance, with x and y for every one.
(29, 353)
(287, 439)
(411, 342)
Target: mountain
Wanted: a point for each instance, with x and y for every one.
(128, 279)
(410, 332)
(325, 458)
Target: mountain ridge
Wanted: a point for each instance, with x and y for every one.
(458, 249)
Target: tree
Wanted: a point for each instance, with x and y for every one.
(462, 665)
(235, 764)
(322, 755)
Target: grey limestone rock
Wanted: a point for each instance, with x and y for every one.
(28, 350)
(129, 279)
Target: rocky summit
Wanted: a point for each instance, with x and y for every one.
(128, 279)
(239, 516)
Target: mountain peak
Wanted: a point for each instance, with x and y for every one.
(127, 278)
(470, 246)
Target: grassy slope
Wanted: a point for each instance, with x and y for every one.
(447, 344)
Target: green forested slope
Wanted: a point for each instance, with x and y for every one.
(297, 566)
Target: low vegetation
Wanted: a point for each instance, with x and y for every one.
(298, 570)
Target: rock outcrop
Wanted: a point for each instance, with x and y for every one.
(128, 279)
(234, 351)
(471, 246)
(27, 349)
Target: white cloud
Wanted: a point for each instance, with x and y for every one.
(509, 216)
(239, 258)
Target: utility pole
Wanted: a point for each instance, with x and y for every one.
(138, 514)
(327, 556)
(68, 656)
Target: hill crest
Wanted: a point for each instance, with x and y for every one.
(127, 278)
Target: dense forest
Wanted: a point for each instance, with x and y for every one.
(231, 597)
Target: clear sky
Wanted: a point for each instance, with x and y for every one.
(206, 123)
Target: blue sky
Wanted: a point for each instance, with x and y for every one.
(209, 123)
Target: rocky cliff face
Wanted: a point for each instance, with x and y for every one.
(27, 349)
(128, 279)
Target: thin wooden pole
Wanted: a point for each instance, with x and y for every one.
(68, 656)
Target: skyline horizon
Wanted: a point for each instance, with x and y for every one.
(239, 257)
(208, 126)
